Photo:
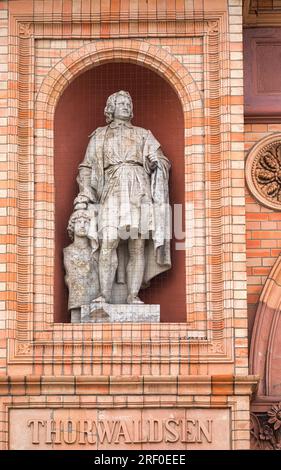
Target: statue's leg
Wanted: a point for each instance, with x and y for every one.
(75, 314)
(135, 269)
(108, 262)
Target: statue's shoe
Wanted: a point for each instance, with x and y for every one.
(131, 299)
(100, 300)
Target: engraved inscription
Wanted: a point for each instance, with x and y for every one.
(80, 428)
(117, 431)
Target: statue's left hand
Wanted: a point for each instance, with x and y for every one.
(153, 160)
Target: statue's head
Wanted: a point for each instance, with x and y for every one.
(119, 105)
(79, 223)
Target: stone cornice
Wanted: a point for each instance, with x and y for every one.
(128, 385)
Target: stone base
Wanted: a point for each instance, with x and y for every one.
(113, 313)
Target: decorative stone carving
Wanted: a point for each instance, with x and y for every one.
(275, 416)
(123, 187)
(263, 171)
(23, 348)
(266, 429)
(25, 30)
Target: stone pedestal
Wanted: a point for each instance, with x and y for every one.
(113, 313)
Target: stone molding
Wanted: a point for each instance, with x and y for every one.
(218, 385)
(269, 16)
(263, 171)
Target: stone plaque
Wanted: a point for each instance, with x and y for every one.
(186, 429)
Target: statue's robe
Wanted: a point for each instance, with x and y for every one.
(131, 191)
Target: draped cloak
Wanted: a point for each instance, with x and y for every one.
(93, 186)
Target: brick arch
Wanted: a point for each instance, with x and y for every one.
(138, 52)
(265, 350)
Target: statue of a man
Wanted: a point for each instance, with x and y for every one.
(125, 174)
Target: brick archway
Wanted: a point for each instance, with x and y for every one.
(139, 52)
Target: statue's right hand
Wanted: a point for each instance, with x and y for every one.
(80, 205)
(80, 202)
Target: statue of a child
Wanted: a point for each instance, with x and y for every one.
(81, 265)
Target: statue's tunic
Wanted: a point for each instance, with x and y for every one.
(126, 201)
(132, 192)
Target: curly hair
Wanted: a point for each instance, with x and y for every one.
(80, 213)
(111, 102)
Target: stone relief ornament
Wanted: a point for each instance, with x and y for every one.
(23, 348)
(25, 30)
(121, 222)
(263, 171)
(266, 429)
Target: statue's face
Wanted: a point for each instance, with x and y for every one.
(123, 108)
(81, 227)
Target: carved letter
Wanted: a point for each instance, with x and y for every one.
(35, 429)
(202, 429)
(105, 431)
(189, 430)
(174, 434)
(86, 434)
(123, 431)
(137, 432)
(155, 430)
(53, 427)
(69, 432)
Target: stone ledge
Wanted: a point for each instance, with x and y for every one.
(215, 385)
(121, 313)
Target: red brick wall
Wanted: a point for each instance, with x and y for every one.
(263, 227)
(198, 50)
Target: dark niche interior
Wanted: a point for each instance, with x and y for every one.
(80, 110)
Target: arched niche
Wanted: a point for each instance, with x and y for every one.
(79, 111)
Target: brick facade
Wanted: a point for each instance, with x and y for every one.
(263, 230)
(198, 50)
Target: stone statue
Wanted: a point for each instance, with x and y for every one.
(123, 179)
(80, 265)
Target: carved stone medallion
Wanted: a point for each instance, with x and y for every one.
(263, 171)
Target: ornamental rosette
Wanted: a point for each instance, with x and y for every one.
(268, 172)
(275, 416)
(263, 171)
